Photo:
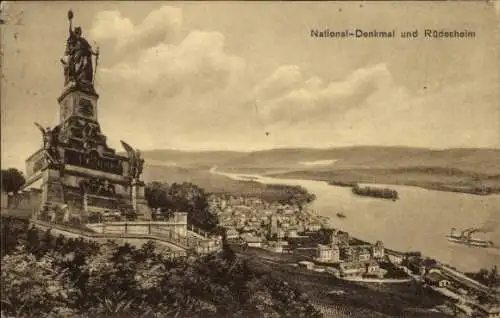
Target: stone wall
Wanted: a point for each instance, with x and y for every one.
(29, 199)
(35, 163)
(57, 230)
(5, 200)
(177, 224)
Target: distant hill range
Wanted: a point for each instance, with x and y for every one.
(459, 169)
(483, 161)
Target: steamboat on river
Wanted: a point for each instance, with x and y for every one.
(466, 238)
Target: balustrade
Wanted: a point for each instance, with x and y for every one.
(154, 231)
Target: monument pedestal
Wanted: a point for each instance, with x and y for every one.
(52, 188)
(139, 202)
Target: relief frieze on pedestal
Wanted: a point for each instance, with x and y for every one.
(93, 160)
(97, 186)
(85, 108)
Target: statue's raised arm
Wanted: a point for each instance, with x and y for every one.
(70, 19)
(77, 62)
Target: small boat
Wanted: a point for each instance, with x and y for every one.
(341, 215)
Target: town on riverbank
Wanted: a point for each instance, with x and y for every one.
(298, 238)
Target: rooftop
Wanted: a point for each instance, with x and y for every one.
(435, 277)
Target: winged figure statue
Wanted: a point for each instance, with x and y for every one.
(46, 135)
(132, 158)
(139, 162)
(49, 141)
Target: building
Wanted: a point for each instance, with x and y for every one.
(372, 267)
(416, 265)
(324, 253)
(306, 264)
(350, 269)
(274, 246)
(273, 225)
(232, 233)
(291, 232)
(342, 238)
(394, 257)
(347, 254)
(363, 254)
(353, 269)
(487, 310)
(437, 279)
(313, 227)
(378, 251)
(251, 241)
(334, 239)
(335, 253)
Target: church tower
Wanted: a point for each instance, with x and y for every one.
(75, 169)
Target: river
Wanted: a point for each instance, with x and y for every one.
(417, 221)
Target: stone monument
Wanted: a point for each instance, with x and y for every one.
(75, 169)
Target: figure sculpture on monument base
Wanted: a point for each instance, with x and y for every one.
(136, 161)
(50, 140)
(77, 60)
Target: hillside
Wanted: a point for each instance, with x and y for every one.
(216, 183)
(461, 170)
(484, 161)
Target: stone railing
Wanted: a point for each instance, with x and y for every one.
(101, 237)
(201, 246)
(26, 199)
(164, 230)
(198, 231)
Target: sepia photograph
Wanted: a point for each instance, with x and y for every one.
(250, 159)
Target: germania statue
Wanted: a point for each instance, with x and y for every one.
(77, 60)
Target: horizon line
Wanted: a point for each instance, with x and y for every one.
(319, 148)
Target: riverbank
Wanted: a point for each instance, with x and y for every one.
(447, 180)
(394, 223)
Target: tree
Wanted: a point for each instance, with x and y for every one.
(12, 180)
(35, 288)
(74, 277)
(182, 197)
(156, 195)
(493, 278)
(293, 195)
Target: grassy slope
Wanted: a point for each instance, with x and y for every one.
(359, 300)
(214, 183)
(209, 181)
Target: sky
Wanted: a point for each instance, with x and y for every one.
(247, 76)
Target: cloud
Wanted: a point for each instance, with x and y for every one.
(282, 80)
(287, 96)
(197, 93)
(176, 88)
(198, 63)
(368, 107)
(159, 26)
